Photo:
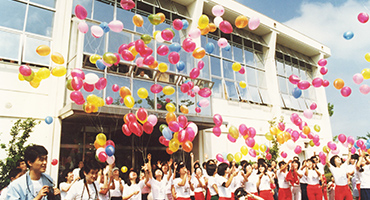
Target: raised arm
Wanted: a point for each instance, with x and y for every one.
(349, 154)
(229, 181)
(169, 164)
(150, 174)
(360, 160)
(285, 166)
(192, 162)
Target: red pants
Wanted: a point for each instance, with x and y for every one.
(183, 198)
(199, 196)
(266, 195)
(343, 192)
(358, 188)
(232, 196)
(254, 193)
(285, 194)
(224, 198)
(314, 192)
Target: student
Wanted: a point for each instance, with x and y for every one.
(363, 169)
(13, 175)
(76, 172)
(86, 188)
(284, 187)
(182, 183)
(264, 182)
(303, 181)
(199, 184)
(167, 174)
(212, 190)
(105, 180)
(293, 178)
(21, 164)
(250, 179)
(314, 191)
(158, 184)
(133, 187)
(117, 185)
(241, 194)
(224, 181)
(66, 184)
(35, 184)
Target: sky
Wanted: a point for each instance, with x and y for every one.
(326, 21)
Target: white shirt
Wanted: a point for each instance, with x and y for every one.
(37, 185)
(251, 184)
(211, 182)
(339, 174)
(304, 177)
(62, 193)
(158, 188)
(128, 190)
(364, 177)
(236, 182)
(281, 179)
(265, 183)
(321, 168)
(168, 186)
(197, 186)
(181, 191)
(103, 196)
(79, 191)
(3, 193)
(312, 177)
(76, 173)
(116, 192)
(222, 190)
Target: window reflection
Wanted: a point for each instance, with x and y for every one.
(9, 43)
(143, 103)
(249, 58)
(12, 14)
(49, 3)
(215, 66)
(231, 90)
(238, 53)
(94, 45)
(40, 21)
(125, 16)
(30, 54)
(103, 12)
(117, 39)
(217, 88)
(228, 72)
(227, 53)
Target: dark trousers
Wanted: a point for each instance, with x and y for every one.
(116, 198)
(304, 191)
(144, 196)
(365, 193)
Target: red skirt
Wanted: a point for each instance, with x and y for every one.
(224, 198)
(266, 195)
(183, 198)
(199, 196)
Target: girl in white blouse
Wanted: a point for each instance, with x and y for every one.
(182, 183)
(250, 179)
(314, 191)
(363, 170)
(158, 184)
(264, 182)
(199, 184)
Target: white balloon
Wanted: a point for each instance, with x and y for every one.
(91, 78)
(111, 159)
(159, 38)
(290, 144)
(100, 149)
(217, 21)
(194, 127)
(97, 31)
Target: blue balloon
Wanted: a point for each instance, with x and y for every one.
(175, 47)
(210, 47)
(167, 133)
(367, 144)
(180, 66)
(100, 65)
(227, 48)
(109, 150)
(296, 93)
(49, 120)
(185, 24)
(105, 27)
(355, 145)
(348, 35)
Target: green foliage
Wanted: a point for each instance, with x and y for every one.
(19, 133)
(274, 150)
(335, 138)
(366, 137)
(331, 109)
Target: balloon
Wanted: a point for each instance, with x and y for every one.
(80, 12)
(170, 117)
(350, 140)
(127, 5)
(184, 109)
(203, 21)
(129, 101)
(222, 42)
(210, 47)
(335, 152)
(101, 84)
(170, 107)
(205, 31)
(348, 35)
(298, 149)
(177, 24)
(188, 45)
(146, 38)
(317, 82)
(167, 34)
(142, 93)
(194, 73)
(58, 71)
(325, 83)
(187, 146)
(43, 50)
(332, 145)
(57, 58)
(296, 93)
(306, 130)
(124, 91)
(109, 150)
(138, 20)
(358, 78)
(303, 85)
(250, 142)
(263, 148)
(283, 154)
(109, 100)
(322, 62)
(168, 90)
(180, 66)
(217, 131)
(174, 145)
(241, 21)
(225, 27)
(253, 23)
(127, 55)
(323, 70)
(364, 89)
(162, 50)
(185, 24)
(197, 110)
(217, 119)
(185, 88)
(141, 114)
(236, 66)
(244, 150)
(338, 83)
(238, 157)
(25, 70)
(100, 64)
(203, 103)
(96, 31)
(230, 157)
(205, 92)
(363, 17)
(162, 16)
(313, 106)
(219, 157)
(366, 73)
(233, 131)
(342, 138)
(252, 132)
(308, 113)
(252, 153)
(48, 120)
(317, 128)
(154, 19)
(199, 53)
(156, 88)
(294, 79)
(175, 47)
(174, 58)
(346, 91)
(218, 10)
(242, 70)
(194, 33)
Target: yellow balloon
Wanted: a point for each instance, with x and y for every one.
(162, 16)
(168, 90)
(256, 147)
(170, 107)
(233, 131)
(176, 135)
(133, 50)
(138, 20)
(325, 149)
(101, 139)
(269, 136)
(43, 50)
(242, 84)
(57, 58)
(238, 157)
(109, 58)
(30, 77)
(274, 130)
(142, 93)
(93, 99)
(20, 77)
(367, 57)
(59, 71)
(162, 67)
(317, 128)
(244, 150)
(203, 21)
(236, 66)
(174, 145)
(280, 138)
(34, 84)
(170, 116)
(366, 73)
(43, 73)
(129, 101)
(184, 109)
(124, 169)
(155, 33)
(100, 102)
(287, 136)
(263, 147)
(212, 27)
(96, 108)
(93, 58)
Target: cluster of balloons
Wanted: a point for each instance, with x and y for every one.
(178, 132)
(344, 90)
(105, 149)
(139, 123)
(253, 152)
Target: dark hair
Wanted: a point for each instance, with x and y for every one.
(243, 162)
(154, 170)
(88, 166)
(222, 168)
(297, 161)
(261, 160)
(234, 164)
(204, 165)
(281, 163)
(181, 165)
(19, 162)
(33, 152)
(244, 166)
(128, 182)
(296, 158)
(14, 172)
(196, 165)
(240, 192)
(313, 162)
(262, 164)
(332, 160)
(64, 175)
(211, 168)
(355, 156)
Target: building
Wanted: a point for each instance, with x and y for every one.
(270, 54)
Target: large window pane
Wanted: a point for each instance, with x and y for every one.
(125, 16)
(249, 58)
(280, 68)
(121, 81)
(261, 79)
(259, 60)
(217, 88)
(239, 76)
(12, 14)
(117, 39)
(143, 103)
(40, 21)
(214, 41)
(228, 71)
(49, 3)
(94, 45)
(231, 90)
(255, 94)
(227, 53)
(265, 96)
(188, 59)
(204, 73)
(147, 27)
(86, 4)
(238, 53)
(251, 76)
(9, 45)
(282, 85)
(215, 66)
(188, 101)
(286, 100)
(103, 12)
(30, 54)
(244, 94)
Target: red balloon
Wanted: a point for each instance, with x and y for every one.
(54, 162)
(127, 55)
(325, 83)
(76, 96)
(156, 88)
(136, 128)
(217, 131)
(149, 60)
(126, 130)
(174, 58)
(303, 85)
(243, 130)
(127, 4)
(88, 87)
(226, 27)
(148, 127)
(294, 79)
(101, 84)
(191, 134)
(205, 92)
(163, 50)
(183, 121)
(184, 88)
(110, 142)
(76, 83)
(147, 52)
(78, 73)
(102, 156)
(142, 114)
(130, 117)
(188, 45)
(139, 45)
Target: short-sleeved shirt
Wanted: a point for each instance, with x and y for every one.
(62, 193)
(181, 191)
(79, 191)
(128, 190)
(265, 183)
(211, 182)
(251, 184)
(303, 179)
(340, 174)
(197, 186)
(222, 190)
(281, 179)
(364, 177)
(312, 177)
(158, 188)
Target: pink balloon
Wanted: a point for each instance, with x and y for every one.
(88, 87)
(346, 91)
(303, 85)
(101, 84)
(219, 157)
(97, 31)
(360, 143)
(281, 126)
(364, 89)
(242, 70)
(163, 50)
(139, 61)
(76, 96)
(322, 62)
(358, 78)
(122, 47)
(315, 139)
(252, 152)
(222, 42)
(188, 45)
(205, 92)
(116, 26)
(191, 134)
(25, 70)
(323, 70)
(243, 129)
(342, 138)
(196, 89)
(83, 27)
(197, 110)
(295, 135)
(218, 10)
(127, 55)
(317, 82)
(325, 83)
(225, 27)
(118, 58)
(149, 60)
(335, 152)
(203, 103)
(115, 88)
(109, 100)
(77, 83)
(217, 131)
(102, 156)
(310, 136)
(152, 119)
(182, 120)
(184, 88)
(331, 145)
(353, 150)
(252, 132)
(250, 142)
(231, 139)
(147, 52)
(194, 73)
(177, 24)
(351, 140)
(174, 58)
(127, 4)
(200, 65)
(363, 17)
(298, 149)
(174, 126)
(313, 106)
(303, 135)
(156, 88)
(308, 114)
(139, 45)
(194, 33)
(80, 12)
(294, 79)
(253, 23)
(283, 154)
(148, 127)
(167, 35)
(217, 119)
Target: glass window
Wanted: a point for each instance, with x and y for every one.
(227, 53)
(117, 39)
(231, 90)
(259, 60)
(302, 103)
(249, 58)
(9, 43)
(103, 12)
(286, 100)
(188, 59)
(280, 68)
(143, 103)
(98, 93)
(228, 71)
(239, 76)
(49, 3)
(125, 16)
(244, 94)
(255, 94)
(217, 88)
(147, 27)
(265, 96)
(238, 53)
(215, 66)
(282, 85)
(40, 21)
(94, 45)
(204, 73)
(251, 76)
(187, 100)
(214, 41)
(163, 99)
(30, 54)
(12, 14)
(162, 26)
(295, 103)
(261, 79)
(116, 79)
(206, 111)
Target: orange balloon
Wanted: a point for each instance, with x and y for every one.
(187, 146)
(43, 50)
(280, 138)
(138, 20)
(184, 109)
(287, 136)
(212, 27)
(170, 116)
(169, 151)
(241, 21)
(124, 91)
(97, 145)
(273, 130)
(306, 130)
(57, 58)
(199, 53)
(368, 151)
(162, 16)
(154, 65)
(205, 31)
(338, 83)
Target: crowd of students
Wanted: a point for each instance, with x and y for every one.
(212, 181)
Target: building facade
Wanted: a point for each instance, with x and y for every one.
(269, 54)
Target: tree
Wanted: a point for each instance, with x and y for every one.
(330, 109)
(274, 150)
(335, 138)
(19, 133)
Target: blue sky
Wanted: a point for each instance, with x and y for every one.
(326, 21)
